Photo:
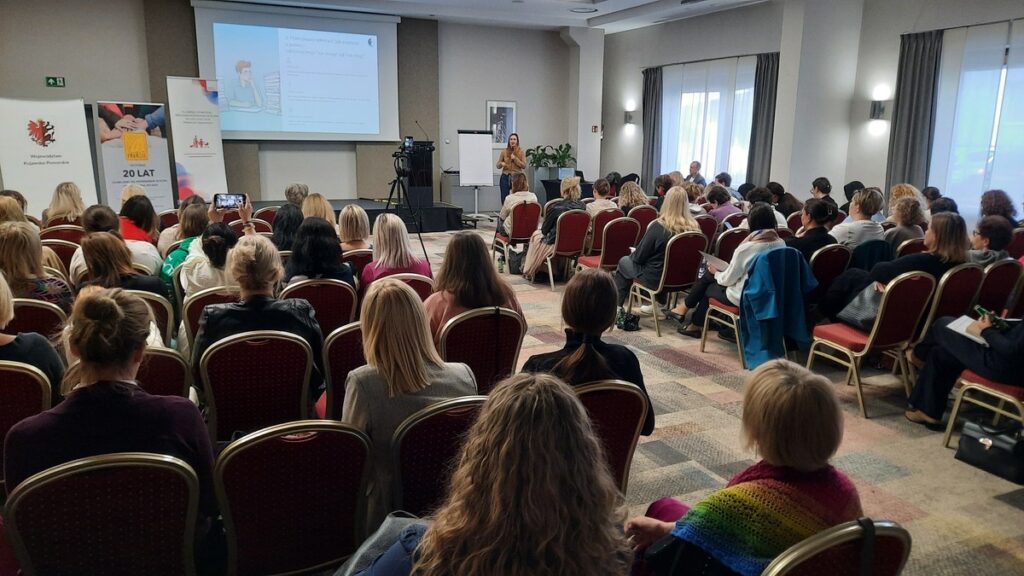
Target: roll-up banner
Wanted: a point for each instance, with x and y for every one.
(133, 150)
(195, 135)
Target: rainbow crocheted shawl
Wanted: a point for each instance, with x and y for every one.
(766, 509)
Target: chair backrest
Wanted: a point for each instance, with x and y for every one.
(425, 447)
(32, 315)
(119, 514)
(598, 222)
(164, 372)
(174, 246)
(728, 241)
(735, 219)
(286, 254)
(571, 232)
(912, 246)
(334, 301)
(62, 221)
(72, 234)
(954, 293)
(708, 226)
(292, 497)
(231, 216)
(525, 217)
(255, 379)
(869, 253)
(794, 222)
(24, 392)
(827, 263)
(838, 552)
(343, 353)
(60, 274)
(487, 340)
(423, 285)
(1016, 247)
(903, 304)
(840, 217)
(64, 250)
(549, 204)
(888, 225)
(1015, 308)
(652, 201)
(257, 226)
(168, 218)
(617, 410)
(588, 200)
(163, 313)
(644, 215)
(682, 260)
(618, 237)
(357, 259)
(784, 233)
(1000, 279)
(192, 309)
(267, 214)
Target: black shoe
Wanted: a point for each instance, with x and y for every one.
(674, 315)
(691, 333)
(727, 334)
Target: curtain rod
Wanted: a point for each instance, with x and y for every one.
(706, 60)
(1000, 21)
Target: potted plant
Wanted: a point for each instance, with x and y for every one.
(546, 160)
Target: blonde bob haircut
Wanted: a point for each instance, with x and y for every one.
(10, 210)
(391, 248)
(6, 303)
(66, 202)
(570, 188)
(21, 252)
(255, 263)
(353, 223)
(315, 205)
(791, 416)
(396, 336)
(675, 212)
(131, 190)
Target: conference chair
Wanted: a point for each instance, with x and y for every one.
(62, 221)
(142, 269)
(597, 225)
(1015, 307)
(31, 315)
(259, 226)
(334, 301)
(56, 273)
(357, 259)
(728, 241)
(708, 227)
(617, 410)
(587, 200)
(24, 392)
(682, 261)
(912, 246)
(840, 217)
(174, 246)
(652, 201)
(903, 304)
(192, 309)
(423, 285)
(286, 254)
(784, 233)
(1000, 280)
(794, 221)
(267, 214)
(549, 204)
(827, 263)
(118, 514)
(168, 218)
(525, 217)
(163, 313)
(617, 238)
(888, 225)
(425, 448)
(644, 215)
(71, 234)
(231, 216)
(869, 253)
(164, 372)
(1016, 247)
(292, 497)
(980, 391)
(64, 249)
(255, 379)
(734, 219)
(854, 548)
(570, 239)
(485, 339)
(343, 353)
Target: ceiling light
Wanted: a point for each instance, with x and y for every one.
(583, 10)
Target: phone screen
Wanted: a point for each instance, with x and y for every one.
(228, 201)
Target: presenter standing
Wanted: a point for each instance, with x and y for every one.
(512, 161)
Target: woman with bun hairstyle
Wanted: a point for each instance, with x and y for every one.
(813, 234)
(206, 269)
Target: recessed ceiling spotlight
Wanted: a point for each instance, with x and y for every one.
(583, 10)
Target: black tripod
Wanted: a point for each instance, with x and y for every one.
(398, 185)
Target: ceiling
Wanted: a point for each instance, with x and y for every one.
(611, 15)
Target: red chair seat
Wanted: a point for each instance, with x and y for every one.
(502, 237)
(974, 378)
(724, 306)
(843, 335)
(590, 261)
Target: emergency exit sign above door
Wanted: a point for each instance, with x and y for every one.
(55, 82)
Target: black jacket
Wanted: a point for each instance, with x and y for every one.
(649, 257)
(811, 241)
(551, 218)
(619, 358)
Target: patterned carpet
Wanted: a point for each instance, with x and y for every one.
(962, 520)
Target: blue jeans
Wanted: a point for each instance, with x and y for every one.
(505, 183)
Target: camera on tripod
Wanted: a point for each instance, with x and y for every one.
(405, 152)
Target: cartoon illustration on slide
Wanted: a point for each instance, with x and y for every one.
(245, 94)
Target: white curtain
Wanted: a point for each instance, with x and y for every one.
(707, 110)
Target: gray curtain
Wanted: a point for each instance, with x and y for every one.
(913, 111)
(652, 128)
(766, 81)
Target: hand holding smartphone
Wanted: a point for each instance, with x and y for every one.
(228, 201)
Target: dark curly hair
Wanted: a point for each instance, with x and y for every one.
(316, 250)
(286, 224)
(998, 203)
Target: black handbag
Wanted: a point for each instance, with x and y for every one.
(863, 309)
(998, 451)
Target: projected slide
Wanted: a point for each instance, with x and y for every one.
(286, 80)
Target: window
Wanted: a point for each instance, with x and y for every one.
(979, 123)
(708, 108)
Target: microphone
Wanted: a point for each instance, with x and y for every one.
(423, 129)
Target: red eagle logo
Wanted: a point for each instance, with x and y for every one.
(41, 132)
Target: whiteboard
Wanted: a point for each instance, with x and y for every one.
(476, 164)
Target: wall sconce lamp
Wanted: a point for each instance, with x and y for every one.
(629, 117)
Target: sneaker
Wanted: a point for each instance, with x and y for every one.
(647, 310)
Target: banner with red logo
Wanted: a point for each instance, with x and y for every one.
(195, 136)
(133, 150)
(44, 143)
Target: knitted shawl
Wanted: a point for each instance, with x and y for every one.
(766, 509)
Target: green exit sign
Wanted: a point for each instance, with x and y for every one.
(55, 82)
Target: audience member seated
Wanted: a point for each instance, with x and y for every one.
(531, 446)
(814, 218)
(906, 214)
(520, 193)
(726, 285)
(791, 418)
(172, 234)
(648, 260)
(945, 247)
(695, 176)
(392, 252)
(542, 243)
(693, 192)
(28, 347)
(849, 189)
(106, 412)
(23, 204)
(21, 258)
(193, 223)
(930, 194)
(724, 180)
(943, 204)
(764, 195)
(139, 220)
(256, 266)
(947, 353)
(316, 254)
(821, 189)
(721, 202)
(614, 181)
(661, 187)
(898, 192)
(631, 195)
(110, 265)
(286, 225)
(315, 205)
(676, 178)
(589, 309)
(991, 237)
(467, 280)
(742, 191)
(860, 227)
(100, 218)
(601, 189)
(784, 202)
(11, 211)
(403, 374)
(353, 228)
(207, 268)
(129, 190)
(66, 204)
(999, 203)
(295, 194)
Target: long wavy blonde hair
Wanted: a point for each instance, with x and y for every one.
(675, 212)
(66, 202)
(531, 493)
